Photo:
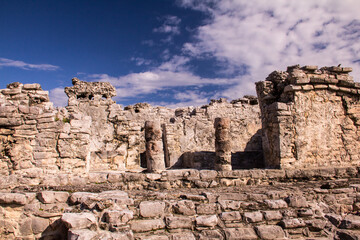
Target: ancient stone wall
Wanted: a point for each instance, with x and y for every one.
(310, 117)
(94, 133)
(188, 204)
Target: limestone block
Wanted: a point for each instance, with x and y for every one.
(231, 216)
(206, 221)
(52, 197)
(210, 234)
(269, 232)
(118, 217)
(183, 236)
(292, 223)
(253, 217)
(272, 215)
(240, 233)
(276, 204)
(230, 204)
(207, 208)
(146, 225)
(32, 86)
(297, 201)
(152, 208)
(39, 225)
(185, 207)
(81, 234)
(78, 220)
(13, 198)
(173, 222)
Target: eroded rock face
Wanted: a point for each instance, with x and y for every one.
(310, 117)
(90, 90)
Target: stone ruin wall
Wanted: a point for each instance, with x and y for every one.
(310, 117)
(93, 133)
(60, 175)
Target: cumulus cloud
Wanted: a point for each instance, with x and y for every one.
(58, 97)
(265, 36)
(4, 62)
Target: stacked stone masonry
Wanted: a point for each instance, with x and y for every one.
(187, 204)
(310, 117)
(80, 172)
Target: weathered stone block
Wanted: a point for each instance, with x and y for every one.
(178, 222)
(240, 233)
(272, 215)
(253, 217)
(206, 221)
(39, 225)
(268, 232)
(185, 207)
(13, 198)
(152, 208)
(78, 220)
(292, 223)
(276, 204)
(207, 208)
(231, 216)
(146, 225)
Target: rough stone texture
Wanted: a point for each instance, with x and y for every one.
(272, 207)
(222, 144)
(310, 117)
(79, 155)
(154, 147)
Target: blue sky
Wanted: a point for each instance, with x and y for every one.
(172, 53)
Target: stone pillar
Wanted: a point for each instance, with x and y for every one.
(222, 144)
(154, 147)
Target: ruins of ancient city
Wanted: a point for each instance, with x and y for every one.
(280, 165)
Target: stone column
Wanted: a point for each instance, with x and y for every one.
(154, 147)
(222, 144)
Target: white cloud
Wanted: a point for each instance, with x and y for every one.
(140, 61)
(4, 62)
(267, 35)
(187, 99)
(170, 25)
(58, 97)
(169, 74)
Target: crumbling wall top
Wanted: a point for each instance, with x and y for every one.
(90, 90)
